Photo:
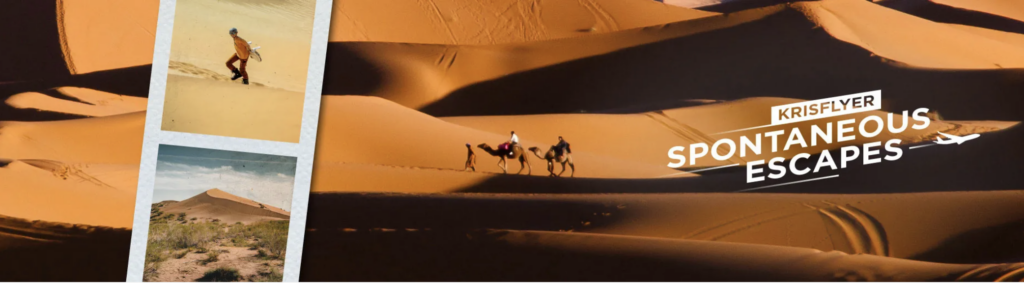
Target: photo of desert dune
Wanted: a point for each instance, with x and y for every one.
(218, 216)
(238, 68)
(73, 94)
(414, 181)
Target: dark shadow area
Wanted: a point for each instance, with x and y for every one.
(945, 14)
(130, 81)
(31, 45)
(39, 251)
(1002, 242)
(782, 55)
(736, 6)
(488, 255)
(474, 256)
(346, 72)
(444, 211)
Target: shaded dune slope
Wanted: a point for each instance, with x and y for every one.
(952, 13)
(951, 227)
(71, 252)
(549, 256)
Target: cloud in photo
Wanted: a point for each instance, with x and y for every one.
(184, 172)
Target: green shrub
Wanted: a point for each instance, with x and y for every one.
(269, 276)
(270, 235)
(155, 255)
(210, 257)
(222, 274)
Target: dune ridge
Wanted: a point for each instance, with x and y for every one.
(225, 207)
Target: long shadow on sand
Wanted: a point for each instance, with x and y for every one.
(39, 251)
(470, 256)
(130, 81)
(946, 14)
(782, 55)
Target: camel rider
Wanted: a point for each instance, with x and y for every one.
(241, 54)
(561, 148)
(512, 143)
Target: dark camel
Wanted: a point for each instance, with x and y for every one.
(550, 157)
(517, 152)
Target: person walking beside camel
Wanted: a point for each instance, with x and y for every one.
(241, 54)
(470, 159)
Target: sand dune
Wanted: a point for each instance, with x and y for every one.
(196, 105)
(496, 22)
(917, 42)
(80, 171)
(69, 193)
(216, 204)
(91, 103)
(107, 34)
(368, 130)
(563, 76)
(1010, 9)
(994, 15)
(114, 139)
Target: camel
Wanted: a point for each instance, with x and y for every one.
(517, 152)
(550, 157)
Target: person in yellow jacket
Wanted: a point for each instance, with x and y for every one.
(241, 53)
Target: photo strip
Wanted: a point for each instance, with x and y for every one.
(229, 138)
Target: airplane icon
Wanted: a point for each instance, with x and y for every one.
(954, 138)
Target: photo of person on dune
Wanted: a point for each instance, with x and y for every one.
(241, 54)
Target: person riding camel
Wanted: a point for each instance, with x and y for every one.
(512, 142)
(241, 54)
(561, 148)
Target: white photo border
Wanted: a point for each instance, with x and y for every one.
(303, 151)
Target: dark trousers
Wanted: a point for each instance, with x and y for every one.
(231, 65)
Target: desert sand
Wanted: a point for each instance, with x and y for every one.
(217, 204)
(388, 188)
(391, 200)
(212, 107)
(71, 136)
(496, 22)
(199, 85)
(215, 236)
